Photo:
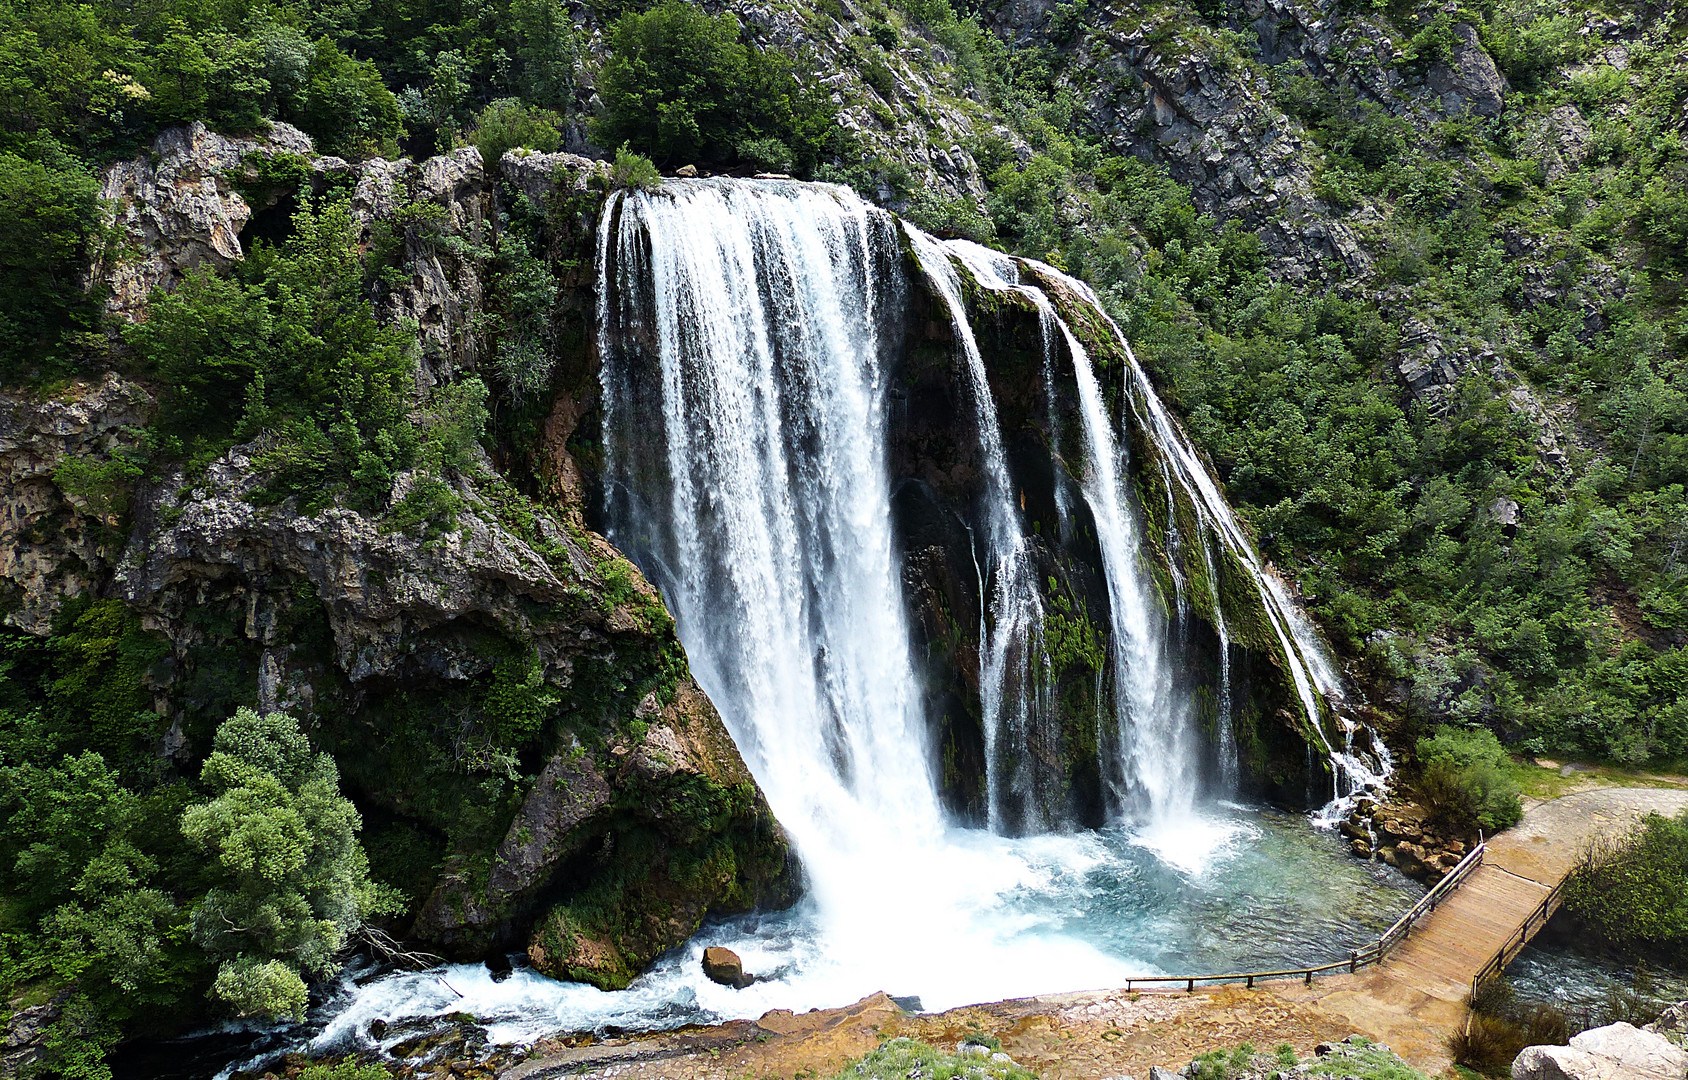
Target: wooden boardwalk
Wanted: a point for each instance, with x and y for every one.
(1416, 996)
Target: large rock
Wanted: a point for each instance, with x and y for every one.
(1615, 1052)
(1469, 80)
(724, 966)
(177, 206)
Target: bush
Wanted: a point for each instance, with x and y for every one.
(507, 123)
(1633, 891)
(680, 87)
(634, 171)
(1499, 1027)
(51, 207)
(1464, 781)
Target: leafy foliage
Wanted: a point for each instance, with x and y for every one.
(680, 87)
(894, 1059)
(1634, 891)
(293, 883)
(507, 123)
(50, 203)
(292, 350)
(1464, 780)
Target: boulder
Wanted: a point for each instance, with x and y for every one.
(1158, 1073)
(1469, 80)
(1673, 1021)
(725, 967)
(1615, 1052)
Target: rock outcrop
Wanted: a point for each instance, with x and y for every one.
(1616, 1052)
(403, 649)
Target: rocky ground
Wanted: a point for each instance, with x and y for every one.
(1398, 832)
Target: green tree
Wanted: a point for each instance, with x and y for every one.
(296, 353)
(293, 882)
(680, 87)
(51, 207)
(346, 107)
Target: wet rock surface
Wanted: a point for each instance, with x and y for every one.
(1398, 833)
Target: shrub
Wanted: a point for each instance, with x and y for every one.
(51, 207)
(634, 171)
(296, 355)
(1464, 781)
(1633, 891)
(507, 123)
(1500, 1026)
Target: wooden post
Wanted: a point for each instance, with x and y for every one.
(1191, 988)
(1309, 977)
(1251, 982)
(1353, 961)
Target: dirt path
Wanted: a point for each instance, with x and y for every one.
(1411, 1001)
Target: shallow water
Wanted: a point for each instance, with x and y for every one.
(1243, 888)
(1589, 988)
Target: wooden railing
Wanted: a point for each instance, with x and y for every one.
(1520, 937)
(1371, 953)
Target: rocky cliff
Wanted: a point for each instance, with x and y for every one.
(623, 815)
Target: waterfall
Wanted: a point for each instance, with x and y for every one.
(1013, 677)
(1228, 764)
(748, 329)
(1308, 666)
(746, 475)
(745, 466)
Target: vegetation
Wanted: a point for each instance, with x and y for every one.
(1633, 891)
(292, 882)
(109, 902)
(895, 1059)
(1558, 632)
(1500, 1026)
(1465, 782)
(680, 87)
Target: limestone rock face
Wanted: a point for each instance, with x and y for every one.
(59, 533)
(1615, 1052)
(178, 209)
(1469, 80)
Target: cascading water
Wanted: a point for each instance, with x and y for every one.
(1012, 676)
(1309, 668)
(749, 342)
(1153, 729)
(745, 471)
